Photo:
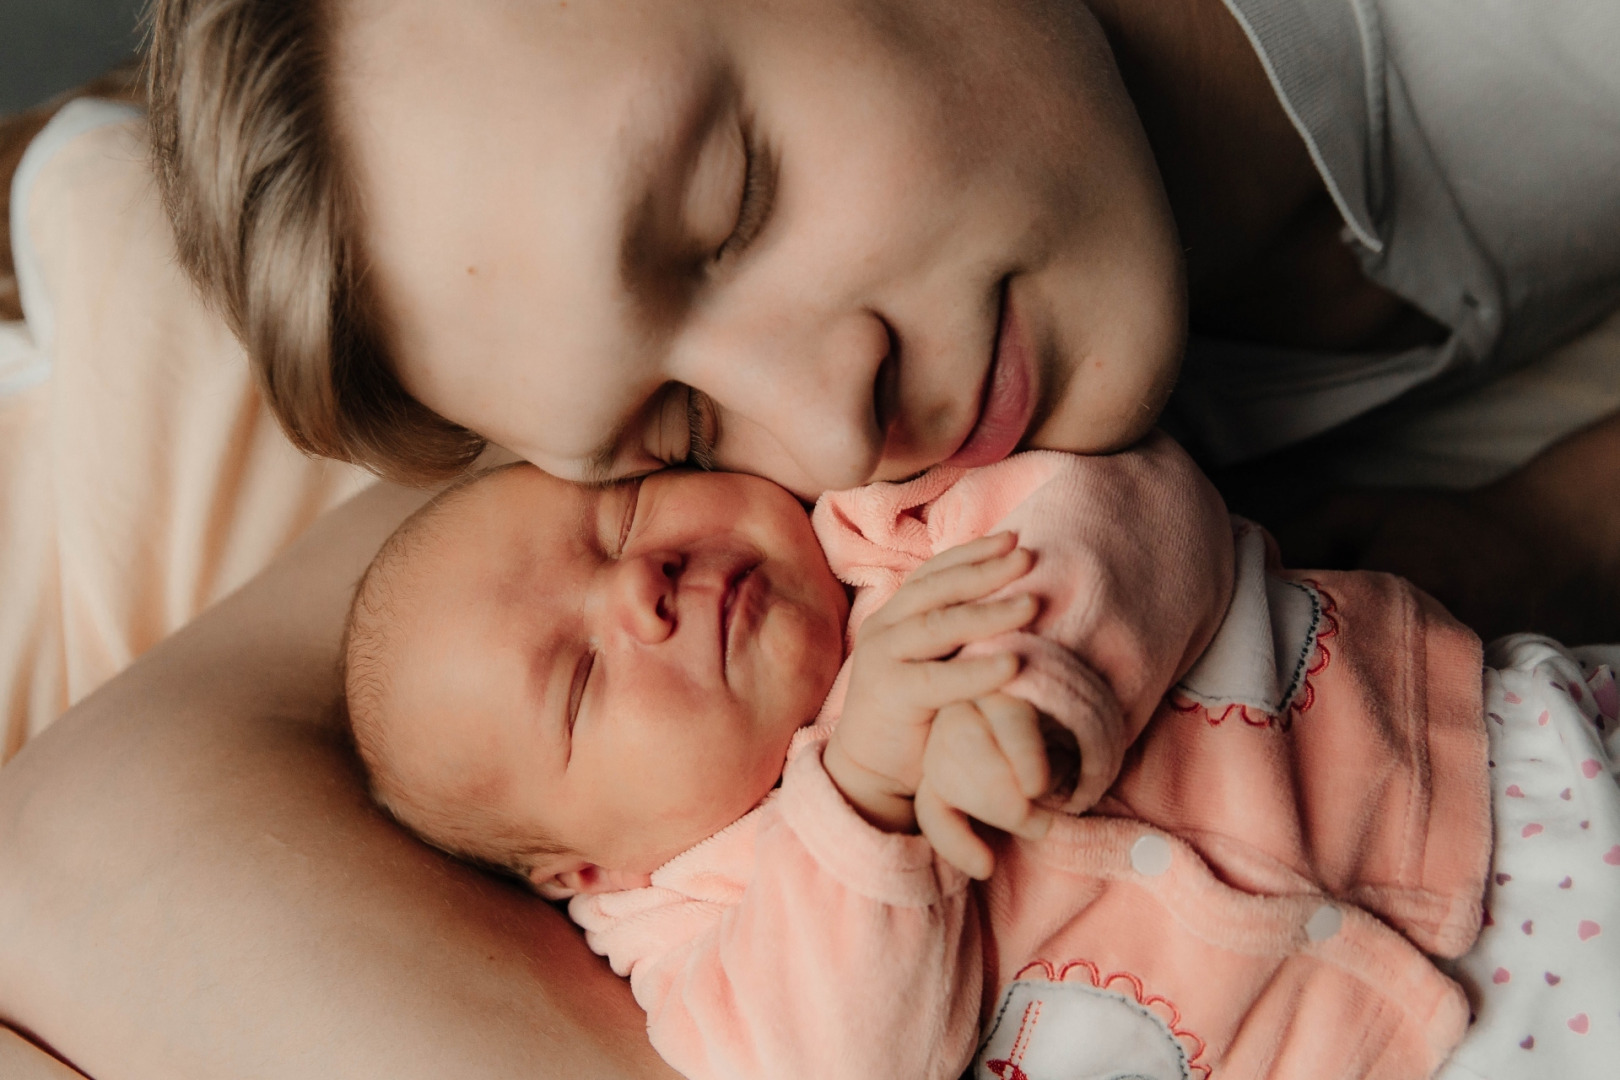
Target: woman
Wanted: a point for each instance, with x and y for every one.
(832, 243)
(828, 242)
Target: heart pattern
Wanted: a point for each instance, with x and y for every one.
(1544, 937)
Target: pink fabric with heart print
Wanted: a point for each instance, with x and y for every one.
(1544, 977)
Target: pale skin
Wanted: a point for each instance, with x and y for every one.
(22, 1060)
(928, 741)
(607, 676)
(221, 736)
(296, 932)
(809, 276)
(618, 670)
(781, 237)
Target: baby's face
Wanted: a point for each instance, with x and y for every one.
(619, 669)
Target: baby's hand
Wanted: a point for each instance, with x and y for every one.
(904, 671)
(986, 759)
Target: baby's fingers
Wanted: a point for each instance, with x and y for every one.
(966, 768)
(982, 549)
(1016, 727)
(958, 582)
(951, 835)
(942, 631)
(936, 683)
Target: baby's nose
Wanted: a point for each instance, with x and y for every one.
(644, 594)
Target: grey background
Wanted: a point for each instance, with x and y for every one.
(47, 46)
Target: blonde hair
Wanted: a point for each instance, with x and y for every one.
(268, 226)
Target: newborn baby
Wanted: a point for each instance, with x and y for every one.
(598, 688)
(578, 683)
(648, 650)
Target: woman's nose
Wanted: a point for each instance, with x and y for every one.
(813, 413)
(641, 595)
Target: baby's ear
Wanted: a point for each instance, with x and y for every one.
(559, 881)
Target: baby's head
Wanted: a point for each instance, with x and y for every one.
(577, 683)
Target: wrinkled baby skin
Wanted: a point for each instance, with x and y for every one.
(615, 671)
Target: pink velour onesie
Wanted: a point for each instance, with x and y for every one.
(1306, 814)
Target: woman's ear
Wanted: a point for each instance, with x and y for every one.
(561, 878)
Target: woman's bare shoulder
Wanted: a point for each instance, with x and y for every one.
(199, 822)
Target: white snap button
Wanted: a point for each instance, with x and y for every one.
(1150, 856)
(1324, 923)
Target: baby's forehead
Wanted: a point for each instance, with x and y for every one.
(463, 589)
(512, 504)
(492, 539)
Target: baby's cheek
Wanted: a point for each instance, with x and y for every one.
(803, 650)
(727, 790)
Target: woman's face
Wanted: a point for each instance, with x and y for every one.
(825, 241)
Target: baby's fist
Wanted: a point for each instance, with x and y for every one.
(986, 759)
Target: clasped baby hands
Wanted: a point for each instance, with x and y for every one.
(929, 739)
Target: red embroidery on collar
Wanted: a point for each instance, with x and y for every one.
(1126, 985)
(1304, 696)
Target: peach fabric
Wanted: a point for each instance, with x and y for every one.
(1216, 916)
(144, 479)
(1120, 620)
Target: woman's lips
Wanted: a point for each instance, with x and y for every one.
(1006, 402)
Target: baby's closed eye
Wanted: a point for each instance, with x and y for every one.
(576, 689)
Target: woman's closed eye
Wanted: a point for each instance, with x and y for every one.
(758, 198)
(702, 430)
(683, 428)
(631, 490)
